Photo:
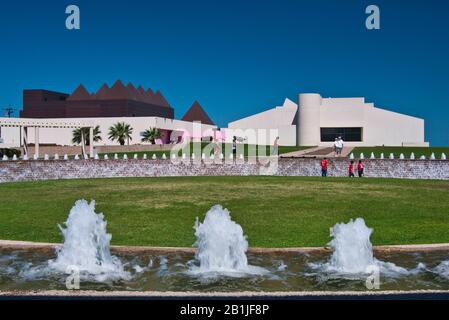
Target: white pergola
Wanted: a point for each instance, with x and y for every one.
(24, 124)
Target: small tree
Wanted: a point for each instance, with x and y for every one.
(86, 132)
(150, 135)
(120, 131)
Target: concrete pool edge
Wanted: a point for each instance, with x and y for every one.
(88, 294)
(28, 245)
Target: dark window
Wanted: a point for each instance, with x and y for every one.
(347, 134)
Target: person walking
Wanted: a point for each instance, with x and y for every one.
(351, 169)
(234, 146)
(324, 167)
(360, 168)
(339, 146)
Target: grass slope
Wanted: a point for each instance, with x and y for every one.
(273, 211)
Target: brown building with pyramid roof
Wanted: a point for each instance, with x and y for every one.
(116, 101)
(197, 113)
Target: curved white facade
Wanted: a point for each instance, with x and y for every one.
(308, 125)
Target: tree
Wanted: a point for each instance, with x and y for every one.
(86, 132)
(120, 131)
(150, 135)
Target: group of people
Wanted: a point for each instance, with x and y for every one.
(338, 146)
(360, 168)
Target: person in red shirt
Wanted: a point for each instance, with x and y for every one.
(360, 169)
(324, 167)
(351, 169)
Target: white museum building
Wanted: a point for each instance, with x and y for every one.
(318, 121)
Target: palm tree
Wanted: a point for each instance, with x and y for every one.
(120, 131)
(150, 135)
(86, 133)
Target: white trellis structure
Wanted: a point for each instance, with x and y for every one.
(24, 124)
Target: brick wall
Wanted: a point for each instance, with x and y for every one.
(74, 169)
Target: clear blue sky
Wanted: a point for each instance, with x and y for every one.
(237, 57)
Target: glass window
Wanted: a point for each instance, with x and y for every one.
(347, 134)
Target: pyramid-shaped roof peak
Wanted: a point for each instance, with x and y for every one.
(80, 93)
(119, 91)
(160, 99)
(197, 113)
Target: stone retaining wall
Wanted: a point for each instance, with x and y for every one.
(11, 171)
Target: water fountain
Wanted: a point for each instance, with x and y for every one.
(56, 157)
(85, 156)
(352, 252)
(382, 156)
(125, 157)
(5, 158)
(145, 156)
(106, 157)
(391, 156)
(46, 157)
(432, 156)
(66, 157)
(154, 157)
(115, 156)
(362, 156)
(423, 157)
(221, 246)
(14, 157)
(25, 157)
(351, 156)
(443, 156)
(372, 156)
(412, 156)
(136, 156)
(86, 246)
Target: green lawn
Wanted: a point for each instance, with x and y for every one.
(273, 211)
(246, 150)
(419, 151)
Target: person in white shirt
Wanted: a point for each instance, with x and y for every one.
(340, 145)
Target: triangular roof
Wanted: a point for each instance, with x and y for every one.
(160, 99)
(80, 93)
(197, 113)
(119, 91)
(132, 91)
(103, 93)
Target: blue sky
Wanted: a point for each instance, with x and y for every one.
(237, 57)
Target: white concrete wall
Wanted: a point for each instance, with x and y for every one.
(279, 118)
(380, 127)
(63, 137)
